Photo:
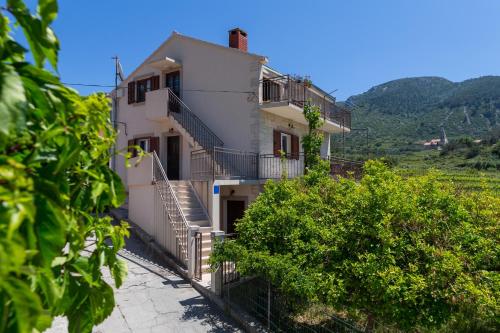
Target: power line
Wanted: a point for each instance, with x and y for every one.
(87, 85)
(192, 90)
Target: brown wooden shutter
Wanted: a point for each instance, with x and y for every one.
(131, 92)
(131, 149)
(154, 144)
(295, 147)
(155, 82)
(276, 143)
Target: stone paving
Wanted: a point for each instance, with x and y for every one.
(156, 299)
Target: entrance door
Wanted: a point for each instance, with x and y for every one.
(173, 157)
(235, 210)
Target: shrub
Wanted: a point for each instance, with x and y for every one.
(407, 252)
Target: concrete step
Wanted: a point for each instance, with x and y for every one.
(201, 223)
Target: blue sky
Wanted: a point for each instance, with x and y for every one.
(345, 45)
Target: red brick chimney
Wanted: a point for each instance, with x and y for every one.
(238, 39)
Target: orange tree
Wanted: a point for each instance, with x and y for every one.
(54, 186)
(404, 252)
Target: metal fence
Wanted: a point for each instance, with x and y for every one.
(229, 274)
(273, 310)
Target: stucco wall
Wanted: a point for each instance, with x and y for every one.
(141, 206)
(216, 84)
(269, 122)
(248, 193)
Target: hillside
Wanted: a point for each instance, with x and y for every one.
(402, 113)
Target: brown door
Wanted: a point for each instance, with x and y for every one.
(173, 157)
(235, 210)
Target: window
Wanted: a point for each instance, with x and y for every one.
(286, 143)
(173, 81)
(141, 87)
(143, 143)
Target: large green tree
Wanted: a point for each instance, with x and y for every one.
(55, 184)
(406, 252)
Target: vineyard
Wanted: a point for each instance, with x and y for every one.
(466, 180)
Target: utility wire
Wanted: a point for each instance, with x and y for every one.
(87, 85)
(193, 90)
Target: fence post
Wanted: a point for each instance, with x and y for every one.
(269, 305)
(216, 278)
(191, 248)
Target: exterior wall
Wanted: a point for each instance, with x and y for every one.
(141, 193)
(206, 72)
(204, 191)
(232, 116)
(248, 193)
(141, 206)
(269, 122)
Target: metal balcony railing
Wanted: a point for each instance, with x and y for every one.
(222, 163)
(287, 166)
(297, 92)
(172, 207)
(191, 123)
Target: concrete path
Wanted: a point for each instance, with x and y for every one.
(156, 299)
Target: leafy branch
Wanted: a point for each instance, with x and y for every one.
(55, 186)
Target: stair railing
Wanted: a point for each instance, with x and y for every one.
(191, 123)
(172, 207)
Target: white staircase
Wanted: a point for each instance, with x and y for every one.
(195, 214)
(190, 204)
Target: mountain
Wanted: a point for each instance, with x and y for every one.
(404, 112)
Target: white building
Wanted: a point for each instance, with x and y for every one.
(217, 118)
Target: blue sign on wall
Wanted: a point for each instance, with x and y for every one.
(216, 189)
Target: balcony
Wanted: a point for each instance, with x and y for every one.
(222, 163)
(156, 103)
(285, 96)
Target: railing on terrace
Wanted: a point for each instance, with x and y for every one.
(287, 89)
(222, 163)
(273, 167)
(191, 123)
(172, 207)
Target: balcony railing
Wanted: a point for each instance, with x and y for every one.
(273, 167)
(191, 123)
(222, 163)
(297, 92)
